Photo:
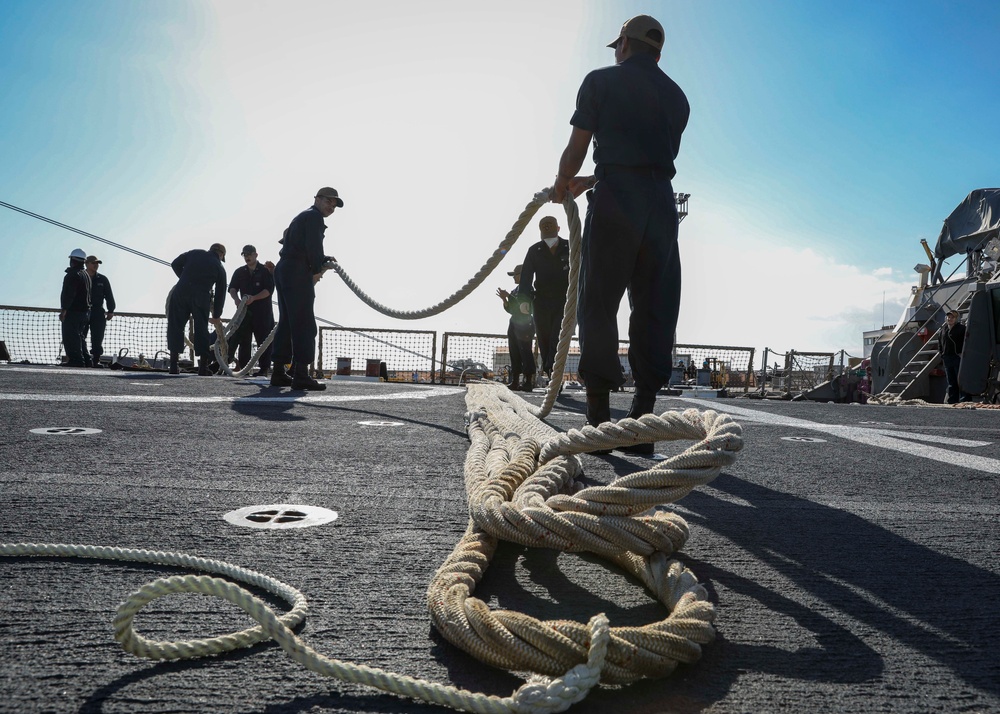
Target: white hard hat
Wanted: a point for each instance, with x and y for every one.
(78, 254)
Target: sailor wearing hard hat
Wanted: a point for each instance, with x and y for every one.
(74, 309)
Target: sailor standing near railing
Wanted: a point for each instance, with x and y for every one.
(254, 282)
(295, 277)
(100, 293)
(74, 309)
(199, 271)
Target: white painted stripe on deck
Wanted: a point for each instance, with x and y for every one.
(415, 393)
(892, 439)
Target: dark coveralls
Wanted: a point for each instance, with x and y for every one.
(75, 300)
(519, 334)
(259, 320)
(198, 271)
(100, 291)
(545, 278)
(637, 114)
(301, 258)
(952, 342)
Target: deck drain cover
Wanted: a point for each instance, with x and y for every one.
(380, 423)
(65, 431)
(280, 515)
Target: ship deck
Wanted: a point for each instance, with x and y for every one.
(851, 551)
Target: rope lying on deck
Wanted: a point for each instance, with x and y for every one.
(538, 696)
(519, 476)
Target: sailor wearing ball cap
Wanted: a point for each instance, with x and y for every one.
(100, 293)
(520, 330)
(634, 114)
(295, 276)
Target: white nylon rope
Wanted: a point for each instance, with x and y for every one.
(537, 696)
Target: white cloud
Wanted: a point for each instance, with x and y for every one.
(747, 286)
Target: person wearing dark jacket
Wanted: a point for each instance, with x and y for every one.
(544, 279)
(299, 268)
(950, 346)
(634, 114)
(254, 282)
(199, 271)
(519, 334)
(74, 309)
(100, 292)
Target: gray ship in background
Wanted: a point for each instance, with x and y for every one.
(905, 362)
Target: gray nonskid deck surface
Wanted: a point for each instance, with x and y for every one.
(851, 551)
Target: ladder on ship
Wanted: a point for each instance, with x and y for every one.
(911, 381)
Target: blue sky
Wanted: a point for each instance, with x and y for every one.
(825, 140)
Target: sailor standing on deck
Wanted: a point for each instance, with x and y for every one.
(635, 114)
(100, 292)
(950, 346)
(199, 271)
(520, 330)
(545, 278)
(254, 282)
(295, 278)
(74, 312)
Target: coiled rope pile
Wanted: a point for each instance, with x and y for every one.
(520, 477)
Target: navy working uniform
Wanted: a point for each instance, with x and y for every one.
(520, 330)
(259, 319)
(301, 258)
(545, 278)
(100, 292)
(198, 270)
(637, 114)
(951, 345)
(74, 304)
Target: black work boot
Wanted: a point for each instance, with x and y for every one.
(174, 369)
(528, 384)
(203, 370)
(642, 403)
(515, 382)
(302, 380)
(598, 412)
(279, 377)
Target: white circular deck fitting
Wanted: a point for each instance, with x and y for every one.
(804, 439)
(65, 431)
(381, 423)
(879, 423)
(280, 516)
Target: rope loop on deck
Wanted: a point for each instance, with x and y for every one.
(520, 479)
(537, 696)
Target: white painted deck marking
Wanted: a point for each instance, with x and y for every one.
(891, 439)
(65, 431)
(416, 393)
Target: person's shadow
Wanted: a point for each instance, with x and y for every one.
(916, 596)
